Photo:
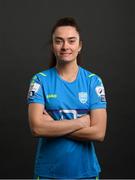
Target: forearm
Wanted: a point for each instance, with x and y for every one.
(87, 134)
(56, 128)
(42, 124)
(97, 128)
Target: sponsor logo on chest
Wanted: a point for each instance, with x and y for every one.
(51, 96)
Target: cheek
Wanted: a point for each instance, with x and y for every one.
(76, 49)
(55, 49)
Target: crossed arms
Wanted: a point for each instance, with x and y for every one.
(87, 127)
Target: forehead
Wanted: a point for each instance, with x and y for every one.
(65, 32)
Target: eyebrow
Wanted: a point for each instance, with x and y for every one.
(57, 37)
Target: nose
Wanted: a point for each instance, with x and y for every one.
(64, 46)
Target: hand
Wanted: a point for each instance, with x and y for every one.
(46, 116)
(84, 120)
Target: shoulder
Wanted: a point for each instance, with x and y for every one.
(40, 76)
(89, 76)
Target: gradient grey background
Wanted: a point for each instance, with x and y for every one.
(108, 28)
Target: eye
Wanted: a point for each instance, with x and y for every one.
(72, 41)
(58, 41)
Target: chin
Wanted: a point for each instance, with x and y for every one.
(66, 60)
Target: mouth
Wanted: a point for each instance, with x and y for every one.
(65, 54)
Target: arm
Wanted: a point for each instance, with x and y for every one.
(42, 124)
(96, 131)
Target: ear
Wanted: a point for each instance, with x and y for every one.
(80, 46)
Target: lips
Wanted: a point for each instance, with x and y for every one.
(65, 54)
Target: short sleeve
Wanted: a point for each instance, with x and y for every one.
(35, 93)
(97, 93)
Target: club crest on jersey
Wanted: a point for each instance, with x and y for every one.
(83, 97)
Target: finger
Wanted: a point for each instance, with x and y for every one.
(45, 112)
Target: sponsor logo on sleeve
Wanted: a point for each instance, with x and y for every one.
(103, 99)
(34, 87)
(100, 90)
(101, 93)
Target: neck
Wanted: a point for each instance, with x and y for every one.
(67, 68)
(67, 71)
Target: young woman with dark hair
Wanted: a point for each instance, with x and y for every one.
(67, 110)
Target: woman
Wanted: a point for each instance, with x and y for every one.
(67, 110)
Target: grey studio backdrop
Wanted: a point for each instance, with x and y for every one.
(108, 31)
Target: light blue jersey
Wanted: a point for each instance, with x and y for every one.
(62, 157)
